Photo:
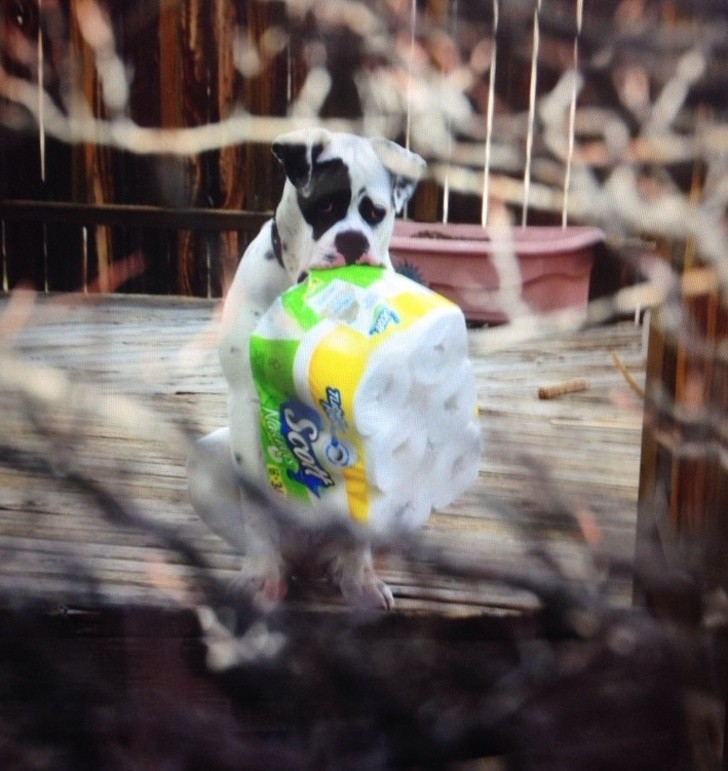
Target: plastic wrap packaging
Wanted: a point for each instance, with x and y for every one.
(367, 397)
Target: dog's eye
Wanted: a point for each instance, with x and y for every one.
(371, 214)
(327, 205)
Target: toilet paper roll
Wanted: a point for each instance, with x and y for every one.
(365, 392)
(394, 456)
(450, 404)
(308, 343)
(455, 466)
(401, 510)
(382, 391)
(442, 343)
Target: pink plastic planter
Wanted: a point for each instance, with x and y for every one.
(458, 261)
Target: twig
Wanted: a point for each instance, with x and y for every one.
(628, 376)
(565, 387)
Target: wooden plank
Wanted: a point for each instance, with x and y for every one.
(92, 168)
(682, 494)
(127, 215)
(161, 352)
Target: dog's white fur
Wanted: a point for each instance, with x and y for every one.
(381, 177)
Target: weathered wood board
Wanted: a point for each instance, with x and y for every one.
(158, 354)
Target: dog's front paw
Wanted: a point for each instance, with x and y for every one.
(263, 580)
(367, 593)
(353, 571)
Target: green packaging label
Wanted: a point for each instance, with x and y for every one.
(343, 417)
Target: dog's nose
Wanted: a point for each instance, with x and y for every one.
(351, 244)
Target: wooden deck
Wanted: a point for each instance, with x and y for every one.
(156, 355)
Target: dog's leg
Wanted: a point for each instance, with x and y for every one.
(215, 493)
(353, 570)
(258, 281)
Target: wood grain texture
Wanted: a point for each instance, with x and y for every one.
(159, 353)
(684, 474)
(92, 164)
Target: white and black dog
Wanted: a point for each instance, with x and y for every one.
(338, 208)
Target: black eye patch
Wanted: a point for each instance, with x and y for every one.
(370, 212)
(327, 196)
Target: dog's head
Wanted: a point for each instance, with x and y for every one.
(340, 198)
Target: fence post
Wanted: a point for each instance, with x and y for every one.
(683, 490)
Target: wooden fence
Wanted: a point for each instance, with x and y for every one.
(107, 168)
(684, 460)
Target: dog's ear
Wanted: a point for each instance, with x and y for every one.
(298, 151)
(405, 167)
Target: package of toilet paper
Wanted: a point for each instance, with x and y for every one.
(367, 396)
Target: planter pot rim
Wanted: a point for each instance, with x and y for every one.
(473, 239)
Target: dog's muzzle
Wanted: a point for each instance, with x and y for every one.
(351, 245)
